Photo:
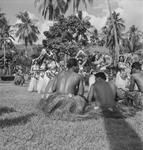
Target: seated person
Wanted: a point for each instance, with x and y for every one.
(102, 93)
(136, 96)
(91, 79)
(67, 92)
(122, 83)
(19, 77)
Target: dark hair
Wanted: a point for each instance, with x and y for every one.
(122, 57)
(136, 65)
(100, 75)
(72, 62)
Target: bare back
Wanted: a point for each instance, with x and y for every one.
(68, 82)
(103, 93)
(138, 79)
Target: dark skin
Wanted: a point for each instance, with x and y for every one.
(69, 82)
(102, 93)
(136, 78)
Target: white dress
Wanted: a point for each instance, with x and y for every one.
(41, 79)
(34, 79)
(121, 83)
(46, 80)
(91, 80)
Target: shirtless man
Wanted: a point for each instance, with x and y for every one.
(102, 93)
(67, 91)
(136, 79)
(69, 82)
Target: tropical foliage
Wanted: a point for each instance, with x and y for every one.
(54, 8)
(108, 30)
(132, 41)
(27, 31)
(3, 20)
(63, 36)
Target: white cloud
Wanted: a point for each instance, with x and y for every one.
(43, 26)
(132, 12)
(98, 22)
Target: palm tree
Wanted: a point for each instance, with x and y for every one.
(76, 4)
(54, 8)
(109, 33)
(6, 40)
(132, 40)
(26, 30)
(3, 20)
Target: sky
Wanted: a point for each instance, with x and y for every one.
(130, 10)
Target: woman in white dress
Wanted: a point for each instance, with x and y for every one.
(41, 77)
(34, 77)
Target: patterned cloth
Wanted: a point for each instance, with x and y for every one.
(136, 97)
(62, 106)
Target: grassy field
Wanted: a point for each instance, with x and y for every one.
(23, 127)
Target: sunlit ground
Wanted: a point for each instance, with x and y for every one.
(24, 127)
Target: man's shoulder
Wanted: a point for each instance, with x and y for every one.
(137, 75)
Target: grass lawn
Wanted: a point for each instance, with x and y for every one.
(24, 127)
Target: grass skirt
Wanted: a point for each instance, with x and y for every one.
(63, 107)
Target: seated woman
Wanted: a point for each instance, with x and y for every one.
(122, 83)
(19, 77)
(66, 99)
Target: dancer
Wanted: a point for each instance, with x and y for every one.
(41, 77)
(34, 77)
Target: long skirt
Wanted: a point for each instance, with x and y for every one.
(45, 83)
(33, 85)
(40, 84)
(63, 106)
(136, 97)
(49, 88)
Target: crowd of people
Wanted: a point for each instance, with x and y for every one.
(63, 90)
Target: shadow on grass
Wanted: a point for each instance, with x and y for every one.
(5, 109)
(120, 134)
(16, 121)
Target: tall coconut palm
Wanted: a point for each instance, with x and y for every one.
(132, 40)
(27, 31)
(76, 4)
(54, 8)
(109, 30)
(3, 20)
(6, 40)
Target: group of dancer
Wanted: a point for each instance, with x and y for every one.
(62, 90)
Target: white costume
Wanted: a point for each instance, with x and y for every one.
(41, 78)
(34, 78)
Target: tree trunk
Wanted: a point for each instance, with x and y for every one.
(4, 59)
(115, 34)
(65, 61)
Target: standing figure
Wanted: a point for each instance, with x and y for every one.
(34, 77)
(41, 77)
